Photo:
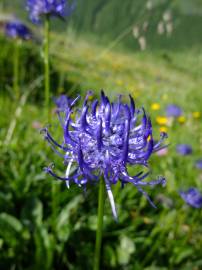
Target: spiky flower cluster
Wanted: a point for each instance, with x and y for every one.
(16, 29)
(101, 139)
(58, 8)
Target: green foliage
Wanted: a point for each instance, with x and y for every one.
(30, 63)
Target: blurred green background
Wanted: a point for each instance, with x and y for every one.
(150, 49)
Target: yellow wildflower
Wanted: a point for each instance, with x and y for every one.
(163, 129)
(181, 119)
(196, 115)
(161, 120)
(155, 106)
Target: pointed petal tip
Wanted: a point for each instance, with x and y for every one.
(67, 184)
(112, 203)
(49, 168)
(46, 169)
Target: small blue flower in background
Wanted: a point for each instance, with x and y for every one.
(16, 29)
(62, 102)
(101, 139)
(184, 149)
(198, 164)
(192, 197)
(173, 110)
(57, 8)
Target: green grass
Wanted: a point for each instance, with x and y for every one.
(45, 226)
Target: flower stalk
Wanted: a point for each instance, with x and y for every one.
(16, 69)
(98, 242)
(47, 64)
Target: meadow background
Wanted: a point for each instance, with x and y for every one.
(45, 226)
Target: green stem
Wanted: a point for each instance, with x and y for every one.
(47, 64)
(16, 70)
(101, 200)
(54, 204)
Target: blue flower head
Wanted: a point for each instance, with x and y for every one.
(173, 110)
(192, 197)
(16, 29)
(58, 8)
(184, 149)
(62, 102)
(101, 139)
(198, 164)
